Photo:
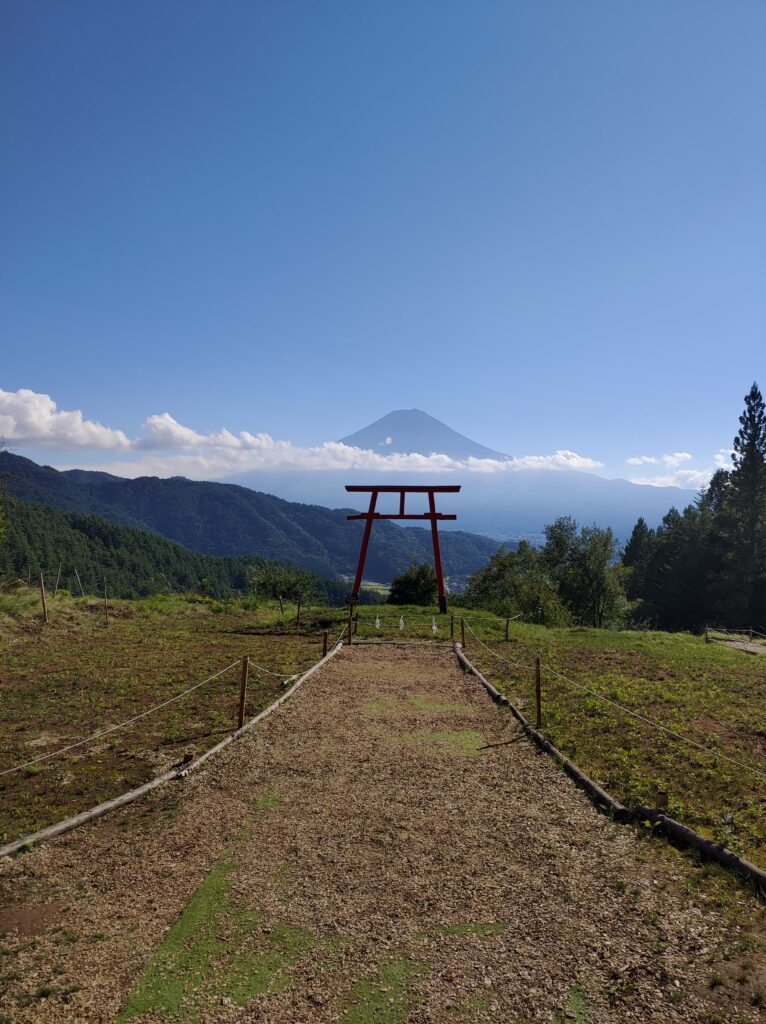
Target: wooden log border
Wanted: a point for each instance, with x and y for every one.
(668, 827)
(27, 842)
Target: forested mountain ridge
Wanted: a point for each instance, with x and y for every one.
(232, 521)
(134, 562)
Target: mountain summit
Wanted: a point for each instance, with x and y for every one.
(409, 431)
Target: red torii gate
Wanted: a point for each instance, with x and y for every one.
(371, 515)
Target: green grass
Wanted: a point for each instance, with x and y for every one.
(418, 702)
(387, 997)
(215, 950)
(575, 1011)
(709, 693)
(76, 676)
(460, 743)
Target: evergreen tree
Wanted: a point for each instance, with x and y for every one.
(415, 586)
(744, 520)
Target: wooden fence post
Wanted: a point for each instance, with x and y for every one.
(538, 696)
(79, 583)
(42, 598)
(350, 624)
(58, 580)
(507, 623)
(452, 626)
(324, 644)
(243, 689)
(106, 605)
(298, 615)
(462, 632)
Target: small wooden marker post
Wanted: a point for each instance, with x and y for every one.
(106, 605)
(538, 696)
(243, 690)
(462, 633)
(507, 624)
(350, 623)
(79, 583)
(324, 644)
(42, 598)
(452, 626)
(58, 580)
(298, 615)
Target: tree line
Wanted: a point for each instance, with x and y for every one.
(703, 565)
(138, 563)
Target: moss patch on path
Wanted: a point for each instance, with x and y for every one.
(423, 703)
(213, 951)
(386, 997)
(462, 743)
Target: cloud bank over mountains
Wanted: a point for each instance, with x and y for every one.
(166, 447)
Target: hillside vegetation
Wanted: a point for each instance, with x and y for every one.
(707, 693)
(231, 521)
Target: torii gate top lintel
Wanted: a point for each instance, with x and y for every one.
(432, 515)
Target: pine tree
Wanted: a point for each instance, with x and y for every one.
(744, 518)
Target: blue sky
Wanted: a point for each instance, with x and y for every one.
(542, 222)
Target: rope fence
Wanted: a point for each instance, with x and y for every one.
(542, 668)
(286, 677)
(120, 725)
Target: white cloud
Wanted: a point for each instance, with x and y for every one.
(641, 460)
(29, 418)
(205, 460)
(168, 448)
(676, 458)
(722, 458)
(689, 478)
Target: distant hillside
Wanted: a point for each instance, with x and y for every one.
(233, 521)
(135, 563)
(411, 430)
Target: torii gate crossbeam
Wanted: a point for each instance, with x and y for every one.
(432, 515)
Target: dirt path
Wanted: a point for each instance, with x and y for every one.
(744, 645)
(370, 854)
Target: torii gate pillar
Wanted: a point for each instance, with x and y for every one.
(432, 515)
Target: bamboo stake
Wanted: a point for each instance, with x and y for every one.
(243, 689)
(538, 696)
(42, 598)
(58, 580)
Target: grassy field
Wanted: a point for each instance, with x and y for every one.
(63, 681)
(706, 692)
(76, 676)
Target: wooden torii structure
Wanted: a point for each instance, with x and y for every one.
(432, 515)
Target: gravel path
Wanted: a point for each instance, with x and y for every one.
(383, 848)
